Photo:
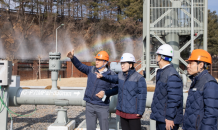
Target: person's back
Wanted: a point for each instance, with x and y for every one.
(167, 104)
(168, 90)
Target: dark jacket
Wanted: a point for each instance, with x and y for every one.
(132, 91)
(94, 85)
(168, 96)
(202, 103)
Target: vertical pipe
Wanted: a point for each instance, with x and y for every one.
(9, 3)
(39, 67)
(155, 11)
(57, 37)
(117, 122)
(189, 19)
(62, 115)
(152, 11)
(192, 25)
(205, 24)
(158, 14)
(56, 40)
(197, 8)
(202, 14)
(152, 124)
(162, 12)
(54, 78)
(184, 16)
(184, 80)
(144, 32)
(173, 40)
(148, 42)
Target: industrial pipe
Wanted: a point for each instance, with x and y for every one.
(19, 96)
(184, 80)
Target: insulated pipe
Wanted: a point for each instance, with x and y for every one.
(148, 41)
(173, 40)
(54, 77)
(184, 80)
(205, 24)
(192, 25)
(19, 96)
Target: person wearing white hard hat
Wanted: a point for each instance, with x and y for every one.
(131, 90)
(167, 104)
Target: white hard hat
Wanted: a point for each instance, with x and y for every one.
(127, 57)
(165, 50)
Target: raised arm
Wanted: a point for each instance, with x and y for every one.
(109, 78)
(81, 67)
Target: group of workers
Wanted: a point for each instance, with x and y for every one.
(167, 106)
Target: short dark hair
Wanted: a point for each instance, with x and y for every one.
(205, 64)
(132, 65)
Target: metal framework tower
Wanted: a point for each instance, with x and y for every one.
(170, 22)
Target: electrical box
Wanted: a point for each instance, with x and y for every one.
(5, 72)
(15, 81)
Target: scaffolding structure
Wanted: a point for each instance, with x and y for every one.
(172, 22)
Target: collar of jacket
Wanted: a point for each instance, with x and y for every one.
(130, 72)
(195, 78)
(105, 70)
(159, 70)
(166, 66)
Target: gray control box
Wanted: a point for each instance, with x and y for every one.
(5, 72)
(54, 61)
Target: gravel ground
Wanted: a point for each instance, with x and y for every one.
(46, 115)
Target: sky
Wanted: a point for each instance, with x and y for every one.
(213, 5)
